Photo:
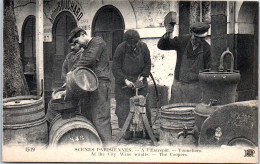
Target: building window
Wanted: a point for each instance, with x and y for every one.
(28, 44)
(28, 56)
(109, 24)
(62, 27)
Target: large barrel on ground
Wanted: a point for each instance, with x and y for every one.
(57, 105)
(24, 121)
(174, 118)
(73, 131)
(233, 124)
(80, 81)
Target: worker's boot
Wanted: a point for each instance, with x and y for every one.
(128, 135)
(139, 134)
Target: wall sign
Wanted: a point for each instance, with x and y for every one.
(67, 5)
(47, 34)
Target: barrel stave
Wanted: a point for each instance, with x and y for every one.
(77, 131)
(34, 135)
(24, 121)
(24, 115)
(174, 117)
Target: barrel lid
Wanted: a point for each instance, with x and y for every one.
(20, 100)
(178, 105)
(86, 79)
(178, 110)
(175, 127)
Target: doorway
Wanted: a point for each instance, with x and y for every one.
(108, 24)
(28, 57)
(62, 26)
(247, 51)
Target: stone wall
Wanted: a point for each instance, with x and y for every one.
(144, 16)
(23, 9)
(150, 13)
(163, 63)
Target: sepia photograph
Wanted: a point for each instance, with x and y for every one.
(157, 81)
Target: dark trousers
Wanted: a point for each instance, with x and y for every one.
(122, 97)
(185, 93)
(96, 107)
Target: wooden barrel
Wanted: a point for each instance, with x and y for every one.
(58, 106)
(173, 119)
(24, 121)
(73, 131)
(233, 124)
(58, 103)
(80, 81)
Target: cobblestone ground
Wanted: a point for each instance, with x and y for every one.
(116, 130)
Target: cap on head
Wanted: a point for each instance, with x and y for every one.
(200, 29)
(131, 36)
(74, 32)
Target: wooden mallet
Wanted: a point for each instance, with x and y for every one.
(170, 18)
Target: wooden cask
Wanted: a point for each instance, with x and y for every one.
(73, 131)
(173, 119)
(80, 81)
(24, 121)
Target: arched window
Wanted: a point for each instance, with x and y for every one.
(247, 50)
(28, 42)
(108, 23)
(62, 26)
(28, 56)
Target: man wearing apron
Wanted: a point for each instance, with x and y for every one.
(193, 55)
(131, 62)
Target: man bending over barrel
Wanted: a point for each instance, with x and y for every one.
(72, 58)
(95, 106)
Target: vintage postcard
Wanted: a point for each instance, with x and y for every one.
(130, 81)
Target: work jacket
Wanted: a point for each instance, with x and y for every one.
(71, 59)
(95, 57)
(189, 61)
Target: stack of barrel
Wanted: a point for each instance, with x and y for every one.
(24, 118)
(67, 125)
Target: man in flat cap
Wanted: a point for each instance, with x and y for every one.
(71, 58)
(95, 106)
(193, 55)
